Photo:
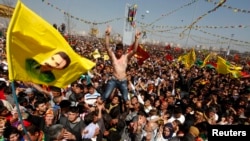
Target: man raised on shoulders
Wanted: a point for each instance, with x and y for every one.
(119, 60)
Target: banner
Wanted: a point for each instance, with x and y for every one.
(38, 53)
(128, 29)
(188, 59)
(141, 55)
(224, 67)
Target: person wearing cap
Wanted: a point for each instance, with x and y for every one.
(25, 99)
(28, 91)
(192, 134)
(30, 94)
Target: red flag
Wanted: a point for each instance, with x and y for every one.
(245, 74)
(177, 49)
(212, 64)
(141, 54)
(168, 47)
(169, 57)
(236, 57)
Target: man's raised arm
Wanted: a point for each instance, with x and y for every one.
(107, 45)
(135, 44)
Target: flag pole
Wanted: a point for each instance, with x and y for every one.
(125, 22)
(17, 105)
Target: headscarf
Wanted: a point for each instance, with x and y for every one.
(171, 130)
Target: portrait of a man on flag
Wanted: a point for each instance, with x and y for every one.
(43, 71)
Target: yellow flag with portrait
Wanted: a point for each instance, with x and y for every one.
(37, 52)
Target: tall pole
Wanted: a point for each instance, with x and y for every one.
(229, 44)
(125, 17)
(128, 29)
(125, 28)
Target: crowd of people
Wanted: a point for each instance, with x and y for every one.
(121, 100)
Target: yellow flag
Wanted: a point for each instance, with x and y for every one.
(209, 57)
(105, 56)
(96, 54)
(235, 73)
(222, 66)
(38, 53)
(206, 60)
(188, 59)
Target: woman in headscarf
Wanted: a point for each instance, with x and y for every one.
(166, 132)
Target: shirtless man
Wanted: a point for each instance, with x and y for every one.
(119, 61)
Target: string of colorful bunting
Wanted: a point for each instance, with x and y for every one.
(231, 8)
(171, 12)
(221, 40)
(234, 41)
(202, 16)
(83, 20)
(216, 42)
(223, 37)
(205, 41)
(154, 26)
(196, 26)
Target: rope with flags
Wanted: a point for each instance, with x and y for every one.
(202, 16)
(231, 8)
(83, 20)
